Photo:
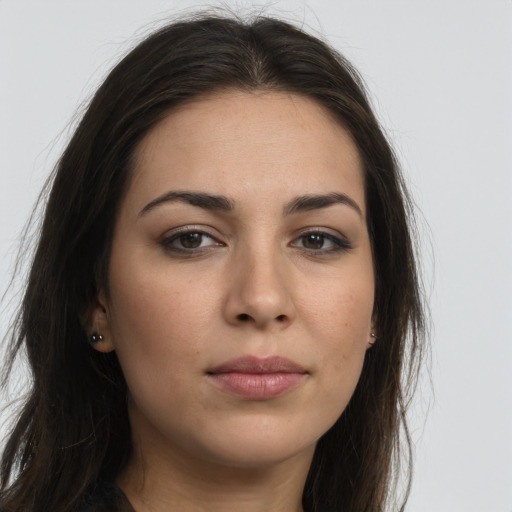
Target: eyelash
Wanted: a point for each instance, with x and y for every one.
(339, 243)
(167, 242)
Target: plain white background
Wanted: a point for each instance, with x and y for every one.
(440, 75)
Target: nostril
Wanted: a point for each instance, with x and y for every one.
(244, 317)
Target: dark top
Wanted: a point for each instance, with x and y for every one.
(105, 497)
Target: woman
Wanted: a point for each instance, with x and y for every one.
(223, 311)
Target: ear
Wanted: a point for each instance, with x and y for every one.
(372, 335)
(97, 326)
(372, 338)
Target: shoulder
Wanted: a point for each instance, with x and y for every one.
(105, 497)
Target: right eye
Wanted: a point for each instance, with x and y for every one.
(189, 242)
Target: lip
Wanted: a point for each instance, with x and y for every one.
(255, 378)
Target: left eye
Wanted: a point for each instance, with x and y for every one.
(191, 240)
(314, 241)
(320, 242)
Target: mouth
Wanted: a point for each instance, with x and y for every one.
(255, 378)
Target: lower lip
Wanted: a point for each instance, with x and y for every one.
(256, 386)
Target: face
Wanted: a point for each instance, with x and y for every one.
(241, 281)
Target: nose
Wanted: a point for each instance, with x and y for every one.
(260, 292)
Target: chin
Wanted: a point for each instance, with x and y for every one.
(261, 446)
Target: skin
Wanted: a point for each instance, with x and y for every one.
(255, 285)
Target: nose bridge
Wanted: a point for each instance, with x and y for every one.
(260, 291)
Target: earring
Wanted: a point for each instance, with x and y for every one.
(373, 340)
(95, 337)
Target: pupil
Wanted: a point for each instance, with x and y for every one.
(191, 240)
(313, 241)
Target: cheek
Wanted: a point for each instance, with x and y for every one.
(156, 301)
(155, 338)
(156, 321)
(342, 312)
(343, 318)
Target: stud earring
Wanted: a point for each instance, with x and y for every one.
(373, 340)
(95, 337)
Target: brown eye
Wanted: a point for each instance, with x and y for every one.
(313, 241)
(191, 240)
(320, 243)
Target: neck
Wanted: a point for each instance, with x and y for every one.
(158, 482)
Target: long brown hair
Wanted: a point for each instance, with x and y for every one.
(73, 429)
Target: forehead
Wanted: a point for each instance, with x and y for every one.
(246, 144)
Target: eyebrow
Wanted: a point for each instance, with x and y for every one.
(200, 199)
(222, 203)
(317, 201)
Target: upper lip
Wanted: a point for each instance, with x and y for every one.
(253, 364)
